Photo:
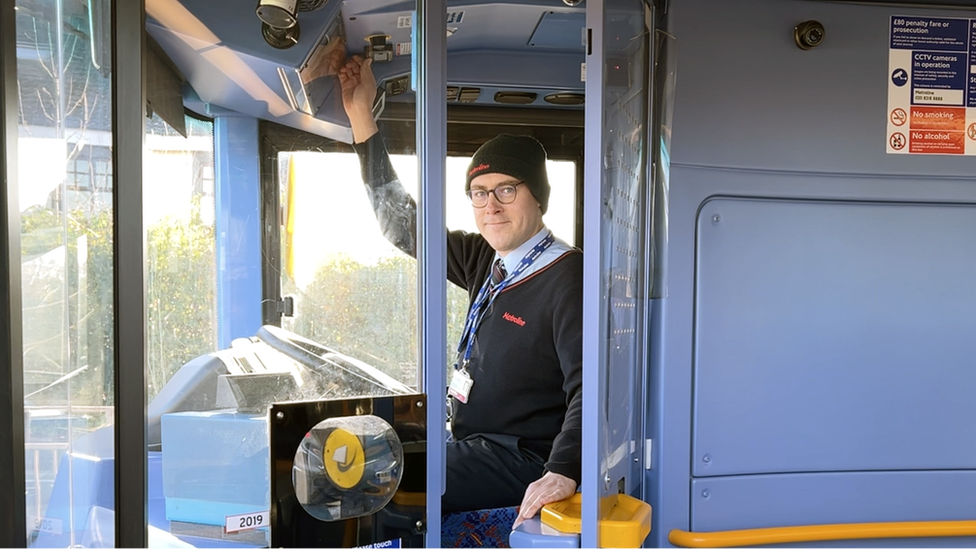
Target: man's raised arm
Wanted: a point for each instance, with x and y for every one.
(395, 210)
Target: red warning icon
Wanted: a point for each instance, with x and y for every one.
(971, 131)
(899, 117)
(897, 141)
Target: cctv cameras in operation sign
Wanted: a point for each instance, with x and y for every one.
(931, 86)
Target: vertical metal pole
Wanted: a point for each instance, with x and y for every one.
(432, 241)
(129, 242)
(649, 263)
(594, 332)
(13, 503)
(270, 243)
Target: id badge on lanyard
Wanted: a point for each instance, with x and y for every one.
(461, 381)
(461, 384)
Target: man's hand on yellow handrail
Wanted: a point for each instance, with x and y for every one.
(548, 489)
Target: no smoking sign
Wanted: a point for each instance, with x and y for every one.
(899, 117)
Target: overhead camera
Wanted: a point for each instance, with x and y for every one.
(808, 34)
(279, 22)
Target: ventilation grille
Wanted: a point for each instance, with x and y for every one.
(463, 95)
(515, 97)
(311, 5)
(469, 95)
(565, 98)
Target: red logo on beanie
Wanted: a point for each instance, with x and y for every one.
(478, 168)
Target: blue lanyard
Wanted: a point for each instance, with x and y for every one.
(487, 294)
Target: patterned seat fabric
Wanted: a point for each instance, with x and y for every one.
(484, 528)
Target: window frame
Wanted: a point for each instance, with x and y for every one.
(559, 131)
(13, 504)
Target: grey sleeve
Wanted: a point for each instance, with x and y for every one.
(395, 210)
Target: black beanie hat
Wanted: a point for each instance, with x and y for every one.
(519, 156)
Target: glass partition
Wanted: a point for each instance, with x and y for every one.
(624, 217)
(618, 94)
(354, 290)
(66, 181)
(338, 282)
(178, 185)
(181, 288)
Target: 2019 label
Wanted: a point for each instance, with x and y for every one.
(249, 521)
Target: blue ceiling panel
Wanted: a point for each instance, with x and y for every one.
(224, 77)
(235, 25)
(479, 26)
(532, 46)
(560, 30)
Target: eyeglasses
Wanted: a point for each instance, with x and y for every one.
(504, 194)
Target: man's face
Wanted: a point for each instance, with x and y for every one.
(506, 226)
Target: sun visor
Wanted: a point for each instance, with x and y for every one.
(164, 87)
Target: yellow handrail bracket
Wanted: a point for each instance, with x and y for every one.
(626, 521)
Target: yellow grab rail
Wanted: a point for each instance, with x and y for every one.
(823, 532)
(626, 520)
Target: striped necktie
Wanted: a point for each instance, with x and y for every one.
(498, 273)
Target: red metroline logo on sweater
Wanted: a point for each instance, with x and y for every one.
(512, 318)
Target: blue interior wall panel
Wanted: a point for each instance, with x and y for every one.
(748, 97)
(767, 501)
(797, 140)
(833, 336)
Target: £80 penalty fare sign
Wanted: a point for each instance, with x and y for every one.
(932, 86)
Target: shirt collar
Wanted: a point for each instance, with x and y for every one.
(514, 257)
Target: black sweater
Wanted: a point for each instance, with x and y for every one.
(527, 359)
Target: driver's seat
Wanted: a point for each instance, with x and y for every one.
(484, 528)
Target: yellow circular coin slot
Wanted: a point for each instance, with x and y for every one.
(344, 458)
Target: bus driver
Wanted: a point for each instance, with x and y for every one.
(516, 389)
